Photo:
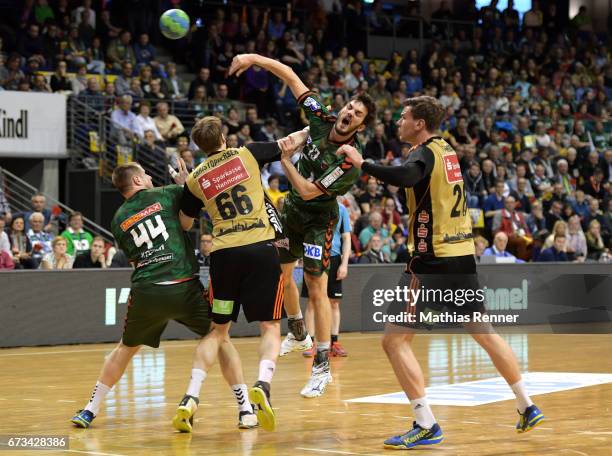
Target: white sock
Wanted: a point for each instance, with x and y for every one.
(195, 384)
(422, 412)
(97, 396)
(297, 316)
(242, 397)
(323, 346)
(266, 370)
(522, 398)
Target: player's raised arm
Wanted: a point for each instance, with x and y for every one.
(242, 62)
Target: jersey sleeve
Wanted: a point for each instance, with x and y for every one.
(345, 221)
(264, 152)
(422, 155)
(317, 114)
(190, 204)
(338, 179)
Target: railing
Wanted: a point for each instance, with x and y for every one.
(19, 194)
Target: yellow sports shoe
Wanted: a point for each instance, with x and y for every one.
(183, 419)
(259, 395)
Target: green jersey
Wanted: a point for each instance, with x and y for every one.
(319, 163)
(148, 230)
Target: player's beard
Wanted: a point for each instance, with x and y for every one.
(347, 133)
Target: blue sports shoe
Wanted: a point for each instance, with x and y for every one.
(83, 419)
(416, 436)
(530, 419)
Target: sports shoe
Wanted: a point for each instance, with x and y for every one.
(416, 436)
(83, 418)
(337, 350)
(530, 419)
(318, 381)
(311, 351)
(291, 344)
(259, 395)
(183, 419)
(247, 420)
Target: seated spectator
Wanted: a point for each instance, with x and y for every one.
(39, 239)
(92, 258)
(576, 240)
(79, 82)
(374, 254)
(124, 80)
(153, 158)
(60, 82)
(474, 185)
(536, 220)
(21, 248)
(202, 80)
(559, 228)
(372, 193)
(556, 252)
(168, 125)
(58, 259)
(268, 132)
(595, 243)
(554, 215)
(244, 135)
(173, 85)
(377, 147)
(480, 245)
(203, 254)
(5, 244)
(124, 120)
(75, 52)
(523, 195)
(500, 241)
(6, 260)
(512, 223)
(375, 227)
(13, 75)
(5, 208)
(155, 90)
(494, 203)
(78, 239)
(144, 53)
(199, 103)
(391, 218)
(596, 214)
(120, 50)
(273, 189)
(92, 95)
(96, 57)
(580, 204)
(594, 185)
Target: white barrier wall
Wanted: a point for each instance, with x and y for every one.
(32, 125)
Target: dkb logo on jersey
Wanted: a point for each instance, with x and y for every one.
(313, 251)
(312, 104)
(223, 177)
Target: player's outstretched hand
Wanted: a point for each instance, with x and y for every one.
(241, 63)
(179, 177)
(351, 154)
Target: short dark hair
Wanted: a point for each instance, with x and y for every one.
(207, 134)
(122, 176)
(368, 102)
(427, 108)
(73, 215)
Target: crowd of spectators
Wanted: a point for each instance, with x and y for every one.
(527, 102)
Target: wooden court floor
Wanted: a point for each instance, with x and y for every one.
(40, 388)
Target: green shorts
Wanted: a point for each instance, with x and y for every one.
(151, 308)
(310, 235)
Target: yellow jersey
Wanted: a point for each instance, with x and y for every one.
(229, 185)
(440, 223)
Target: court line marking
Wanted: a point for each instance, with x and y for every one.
(575, 451)
(321, 450)
(94, 452)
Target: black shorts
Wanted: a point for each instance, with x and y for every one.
(446, 285)
(249, 276)
(334, 286)
(150, 309)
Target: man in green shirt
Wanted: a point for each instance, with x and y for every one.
(77, 239)
(165, 286)
(311, 212)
